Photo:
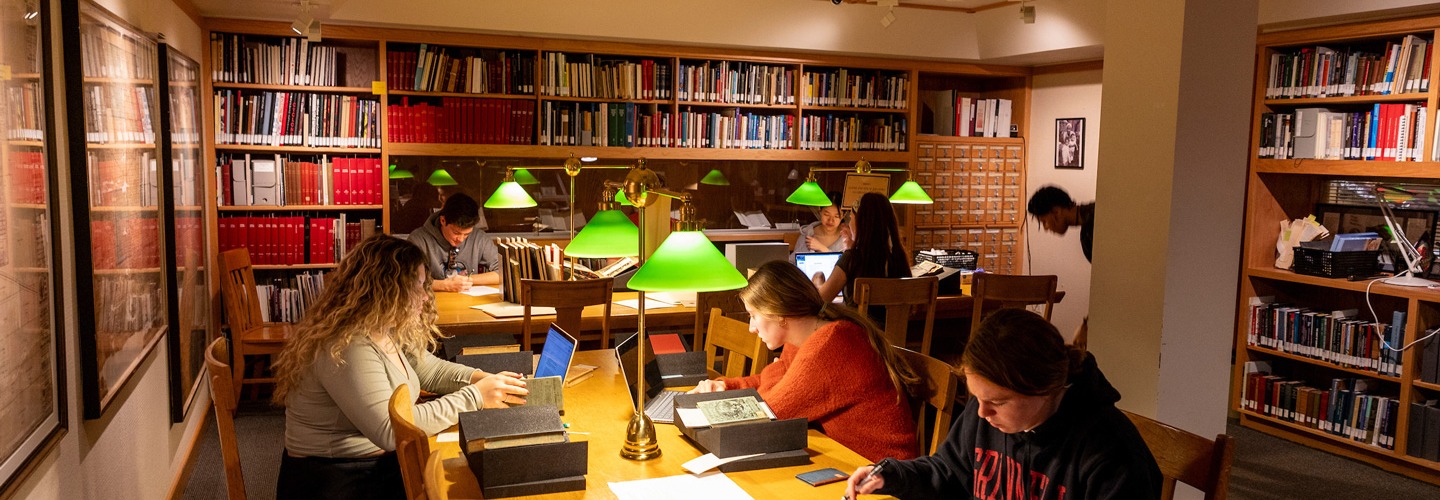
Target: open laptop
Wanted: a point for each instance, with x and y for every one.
(811, 263)
(556, 355)
(659, 403)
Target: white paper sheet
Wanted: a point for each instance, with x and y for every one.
(712, 486)
(686, 299)
(704, 463)
(478, 290)
(448, 437)
(650, 303)
(508, 310)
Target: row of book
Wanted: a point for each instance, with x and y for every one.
(732, 128)
(1394, 68)
(296, 119)
(1348, 408)
(108, 53)
(588, 75)
(119, 113)
(1336, 336)
(602, 124)
(184, 116)
(1429, 358)
(282, 304)
(1385, 132)
(122, 178)
(1423, 441)
(280, 180)
(273, 61)
(27, 177)
(982, 117)
(522, 260)
(125, 242)
(128, 304)
(852, 133)
(844, 87)
(446, 69)
(736, 82)
(293, 240)
(461, 120)
(25, 117)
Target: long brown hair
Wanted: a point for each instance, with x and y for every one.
(375, 288)
(781, 290)
(1020, 351)
(878, 250)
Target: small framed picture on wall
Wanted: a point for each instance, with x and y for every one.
(1070, 143)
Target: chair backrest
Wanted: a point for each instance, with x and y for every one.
(435, 483)
(412, 446)
(242, 303)
(222, 395)
(729, 304)
(791, 238)
(1011, 290)
(942, 386)
(1187, 457)
(569, 299)
(898, 296)
(739, 344)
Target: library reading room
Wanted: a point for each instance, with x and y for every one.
(748, 249)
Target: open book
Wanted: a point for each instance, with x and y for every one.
(753, 219)
(610, 271)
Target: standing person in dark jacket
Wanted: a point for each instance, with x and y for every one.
(1042, 424)
(1057, 213)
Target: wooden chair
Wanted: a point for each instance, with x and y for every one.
(1187, 457)
(569, 299)
(250, 335)
(898, 296)
(739, 344)
(222, 395)
(791, 238)
(435, 477)
(942, 386)
(412, 446)
(1011, 290)
(729, 304)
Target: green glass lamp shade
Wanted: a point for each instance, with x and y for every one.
(441, 178)
(510, 195)
(609, 234)
(622, 200)
(715, 178)
(400, 173)
(687, 262)
(911, 193)
(809, 194)
(524, 177)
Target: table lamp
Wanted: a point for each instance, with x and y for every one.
(715, 178)
(441, 177)
(910, 193)
(685, 261)
(609, 234)
(809, 193)
(525, 178)
(510, 194)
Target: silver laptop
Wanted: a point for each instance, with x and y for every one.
(659, 402)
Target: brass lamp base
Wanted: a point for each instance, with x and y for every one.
(640, 441)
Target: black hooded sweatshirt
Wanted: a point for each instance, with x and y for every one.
(1087, 449)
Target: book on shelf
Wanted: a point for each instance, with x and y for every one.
(293, 240)
(287, 304)
(1389, 67)
(735, 82)
(459, 120)
(279, 118)
(1336, 337)
(109, 53)
(497, 428)
(855, 88)
(119, 113)
(522, 260)
(846, 132)
(598, 76)
(236, 58)
(1385, 132)
(432, 68)
(27, 177)
(26, 116)
(1349, 408)
(282, 180)
(1423, 438)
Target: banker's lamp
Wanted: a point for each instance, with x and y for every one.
(715, 178)
(685, 261)
(910, 193)
(510, 194)
(525, 178)
(400, 173)
(441, 177)
(609, 234)
(809, 193)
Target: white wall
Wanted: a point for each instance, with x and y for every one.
(133, 451)
(1069, 94)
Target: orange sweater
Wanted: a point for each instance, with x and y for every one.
(837, 382)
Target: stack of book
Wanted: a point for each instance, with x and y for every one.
(523, 450)
(522, 260)
(738, 422)
(281, 304)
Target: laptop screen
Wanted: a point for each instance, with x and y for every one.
(813, 263)
(626, 353)
(556, 355)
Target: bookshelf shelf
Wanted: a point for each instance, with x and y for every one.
(404, 93)
(293, 266)
(294, 149)
(1405, 292)
(1320, 362)
(851, 109)
(123, 145)
(1346, 100)
(117, 81)
(1331, 437)
(1350, 168)
(296, 208)
(26, 144)
(1426, 385)
(25, 76)
(294, 88)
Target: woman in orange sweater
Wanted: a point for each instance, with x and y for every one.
(837, 370)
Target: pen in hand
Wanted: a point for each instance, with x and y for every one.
(874, 471)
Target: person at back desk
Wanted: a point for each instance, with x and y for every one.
(458, 253)
(864, 406)
(824, 235)
(877, 252)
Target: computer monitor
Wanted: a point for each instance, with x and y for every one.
(747, 257)
(555, 357)
(817, 263)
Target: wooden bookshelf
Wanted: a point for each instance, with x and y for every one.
(297, 208)
(1287, 189)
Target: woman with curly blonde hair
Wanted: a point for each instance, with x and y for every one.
(370, 331)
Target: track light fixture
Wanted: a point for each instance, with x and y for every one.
(305, 24)
(889, 6)
(1027, 12)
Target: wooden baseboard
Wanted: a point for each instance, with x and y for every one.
(177, 485)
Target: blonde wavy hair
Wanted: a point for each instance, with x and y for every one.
(375, 288)
(780, 290)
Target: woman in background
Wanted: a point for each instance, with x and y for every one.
(877, 252)
(825, 234)
(371, 330)
(865, 406)
(1042, 424)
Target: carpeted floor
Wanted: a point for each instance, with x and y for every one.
(1264, 467)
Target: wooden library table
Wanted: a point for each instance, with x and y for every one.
(600, 406)
(457, 318)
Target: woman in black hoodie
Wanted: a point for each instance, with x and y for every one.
(1042, 424)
